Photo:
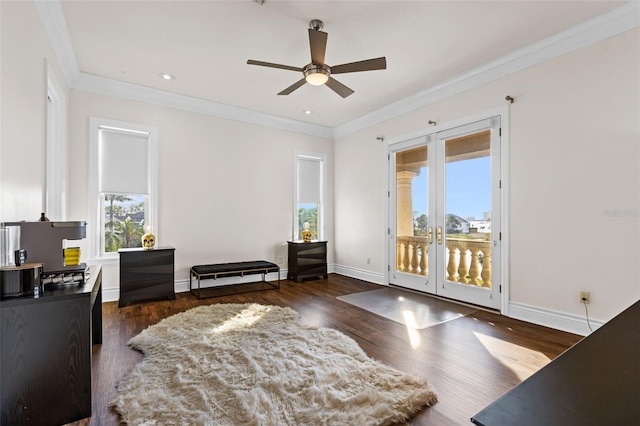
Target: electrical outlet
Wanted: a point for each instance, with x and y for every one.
(279, 260)
(368, 261)
(585, 297)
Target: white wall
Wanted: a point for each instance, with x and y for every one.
(225, 187)
(25, 50)
(574, 157)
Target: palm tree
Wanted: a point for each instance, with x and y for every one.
(111, 209)
(131, 233)
(111, 242)
(114, 209)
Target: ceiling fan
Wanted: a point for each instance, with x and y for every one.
(317, 72)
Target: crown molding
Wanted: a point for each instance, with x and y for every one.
(106, 86)
(56, 26)
(617, 21)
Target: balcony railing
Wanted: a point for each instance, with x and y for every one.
(468, 261)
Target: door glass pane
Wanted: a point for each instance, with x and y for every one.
(411, 211)
(468, 209)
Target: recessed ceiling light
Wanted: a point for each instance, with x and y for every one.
(308, 111)
(166, 76)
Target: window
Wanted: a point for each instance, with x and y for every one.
(123, 184)
(309, 193)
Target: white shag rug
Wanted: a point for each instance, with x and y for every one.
(251, 364)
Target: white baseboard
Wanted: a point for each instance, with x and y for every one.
(361, 274)
(545, 317)
(110, 294)
(554, 319)
(181, 286)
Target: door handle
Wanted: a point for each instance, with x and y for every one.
(430, 234)
(439, 235)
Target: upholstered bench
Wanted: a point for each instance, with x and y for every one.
(233, 269)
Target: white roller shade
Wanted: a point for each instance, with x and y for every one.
(309, 180)
(124, 162)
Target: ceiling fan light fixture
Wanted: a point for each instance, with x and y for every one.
(316, 75)
(317, 79)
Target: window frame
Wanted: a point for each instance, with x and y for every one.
(323, 185)
(95, 226)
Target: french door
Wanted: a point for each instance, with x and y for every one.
(444, 199)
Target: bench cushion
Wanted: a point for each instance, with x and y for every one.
(247, 267)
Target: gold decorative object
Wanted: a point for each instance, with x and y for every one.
(148, 241)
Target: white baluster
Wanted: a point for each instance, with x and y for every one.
(452, 267)
(474, 270)
(423, 259)
(486, 269)
(463, 268)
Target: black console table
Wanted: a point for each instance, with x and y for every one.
(146, 275)
(307, 260)
(595, 382)
(45, 368)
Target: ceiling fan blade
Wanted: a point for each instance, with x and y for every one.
(338, 87)
(318, 44)
(293, 87)
(271, 65)
(366, 65)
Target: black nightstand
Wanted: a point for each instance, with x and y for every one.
(146, 275)
(307, 260)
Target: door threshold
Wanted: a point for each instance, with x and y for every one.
(446, 299)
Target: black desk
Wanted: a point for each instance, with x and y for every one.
(45, 368)
(595, 382)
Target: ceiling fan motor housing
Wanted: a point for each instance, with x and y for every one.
(316, 24)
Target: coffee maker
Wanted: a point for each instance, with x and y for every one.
(42, 242)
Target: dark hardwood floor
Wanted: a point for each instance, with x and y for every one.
(470, 361)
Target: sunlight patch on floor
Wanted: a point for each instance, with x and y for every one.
(392, 303)
(411, 325)
(519, 359)
(245, 319)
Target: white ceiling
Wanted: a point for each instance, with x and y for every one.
(206, 44)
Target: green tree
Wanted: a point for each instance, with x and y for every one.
(453, 223)
(120, 230)
(111, 199)
(111, 241)
(131, 233)
(136, 208)
(420, 226)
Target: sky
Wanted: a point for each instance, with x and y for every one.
(468, 188)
